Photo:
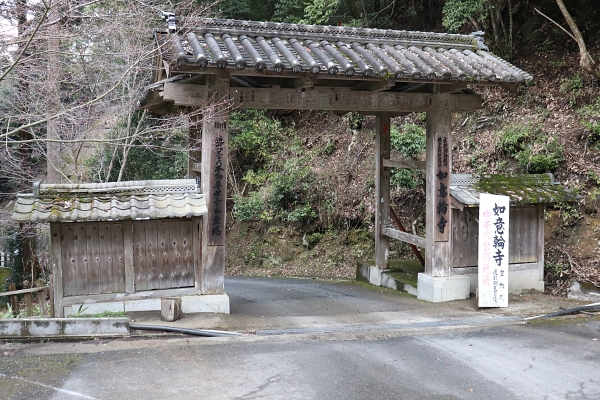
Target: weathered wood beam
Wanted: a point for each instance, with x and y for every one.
(22, 291)
(410, 164)
(405, 237)
(374, 85)
(149, 294)
(324, 99)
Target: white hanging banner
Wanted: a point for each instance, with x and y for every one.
(493, 253)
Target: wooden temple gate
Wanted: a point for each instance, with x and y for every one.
(219, 65)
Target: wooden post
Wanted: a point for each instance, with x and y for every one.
(27, 297)
(51, 296)
(14, 300)
(438, 250)
(57, 277)
(382, 190)
(214, 185)
(540, 241)
(42, 297)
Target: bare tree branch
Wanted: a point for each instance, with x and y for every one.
(555, 23)
(27, 44)
(586, 61)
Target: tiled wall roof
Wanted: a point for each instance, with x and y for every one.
(522, 189)
(110, 201)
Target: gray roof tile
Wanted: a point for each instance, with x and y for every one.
(335, 50)
(110, 201)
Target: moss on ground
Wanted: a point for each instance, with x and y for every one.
(406, 271)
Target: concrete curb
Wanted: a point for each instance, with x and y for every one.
(367, 272)
(63, 328)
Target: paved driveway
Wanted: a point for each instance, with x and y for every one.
(346, 341)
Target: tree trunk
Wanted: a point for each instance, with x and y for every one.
(53, 158)
(25, 134)
(586, 61)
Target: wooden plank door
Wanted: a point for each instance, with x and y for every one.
(92, 253)
(163, 254)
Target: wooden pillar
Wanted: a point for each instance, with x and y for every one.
(214, 185)
(540, 242)
(382, 191)
(438, 251)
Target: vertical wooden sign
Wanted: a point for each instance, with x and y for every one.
(441, 189)
(493, 249)
(217, 187)
(438, 249)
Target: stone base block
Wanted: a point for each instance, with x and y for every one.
(211, 303)
(443, 288)
(170, 309)
(216, 303)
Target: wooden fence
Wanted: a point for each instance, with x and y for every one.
(40, 290)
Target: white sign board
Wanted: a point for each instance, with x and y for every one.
(493, 250)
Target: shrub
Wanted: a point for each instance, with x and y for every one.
(302, 214)
(537, 163)
(591, 120)
(514, 138)
(313, 239)
(547, 160)
(572, 88)
(285, 196)
(405, 178)
(249, 208)
(534, 151)
(253, 136)
(289, 186)
(409, 141)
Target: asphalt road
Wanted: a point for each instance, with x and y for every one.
(357, 343)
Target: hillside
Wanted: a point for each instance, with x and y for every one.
(551, 125)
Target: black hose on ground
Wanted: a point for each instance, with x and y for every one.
(194, 332)
(568, 311)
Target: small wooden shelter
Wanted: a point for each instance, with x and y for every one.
(217, 65)
(529, 195)
(120, 246)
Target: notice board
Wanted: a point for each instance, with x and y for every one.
(493, 250)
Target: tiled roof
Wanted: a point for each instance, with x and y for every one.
(110, 201)
(522, 189)
(334, 50)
